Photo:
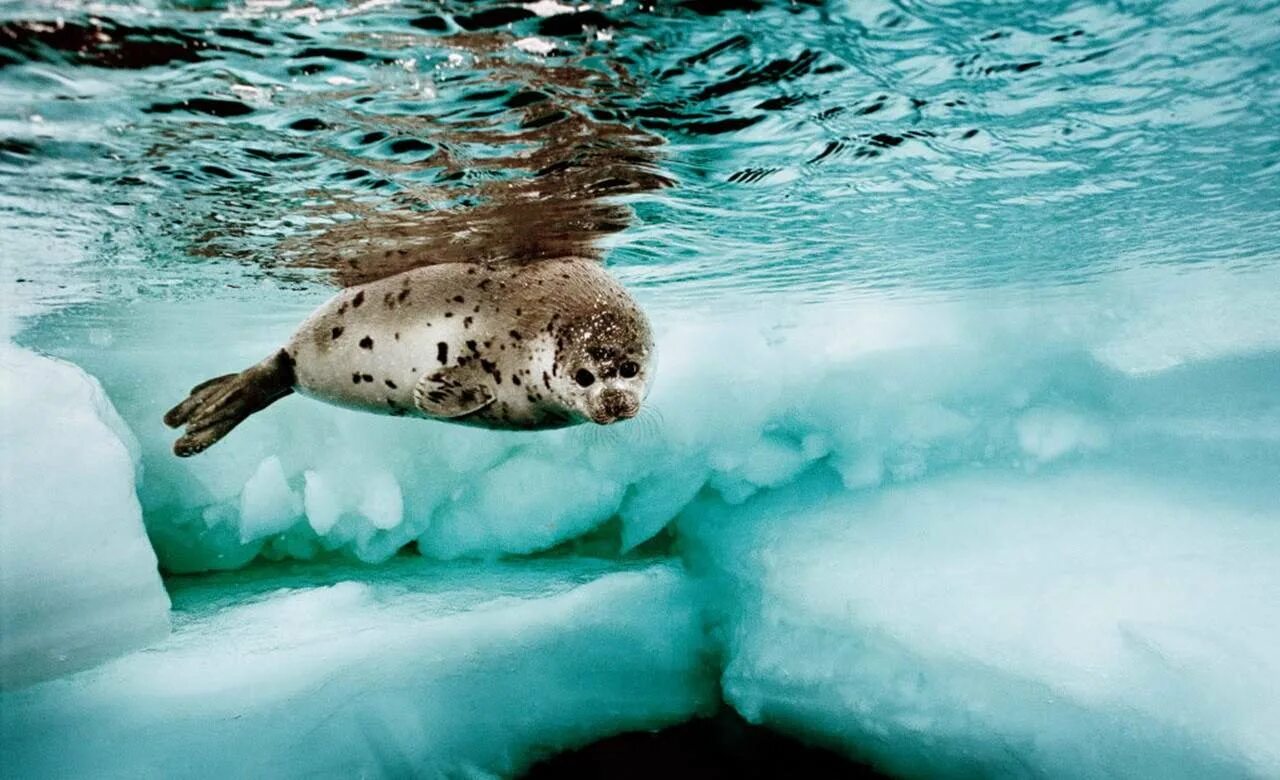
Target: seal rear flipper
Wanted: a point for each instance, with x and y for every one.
(179, 414)
(217, 406)
(453, 392)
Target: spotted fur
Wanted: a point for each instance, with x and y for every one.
(548, 322)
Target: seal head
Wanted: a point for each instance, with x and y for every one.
(604, 362)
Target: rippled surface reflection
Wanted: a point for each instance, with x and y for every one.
(818, 149)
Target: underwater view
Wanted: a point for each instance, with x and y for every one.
(892, 388)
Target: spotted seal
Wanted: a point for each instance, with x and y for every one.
(521, 347)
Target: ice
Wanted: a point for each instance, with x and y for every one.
(522, 505)
(1175, 319)
(883, 390)
(983, 533)
(412, 668)
(383, 505)
(468, 493)
(1080, 623)
(655, 499)
(323, 508)
(78, 580)
(1047, 433)
(267, 505)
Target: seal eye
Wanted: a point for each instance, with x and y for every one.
(584, 377)
(628, 369)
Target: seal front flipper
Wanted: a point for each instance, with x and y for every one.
(217, 406)
(453, 392)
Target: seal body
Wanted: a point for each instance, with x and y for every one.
(512, 329)
(534, 346)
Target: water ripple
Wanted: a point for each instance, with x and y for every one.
(814, 149)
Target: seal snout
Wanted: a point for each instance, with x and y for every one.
(614, 405)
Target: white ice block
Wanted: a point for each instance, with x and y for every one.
(78, 578)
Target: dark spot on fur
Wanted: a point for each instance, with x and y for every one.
(484, 284)
(471, 345)
(476, 310)
(466, 321)
(389, 300)
(336, 332)
(515, 380)
(367, 377)
(389, 383)
(519, 311)
(359, 299)
(442, 353)
(342, 309)
(459, 299)
(448, 314)
(403, 296)
(355, 378)
(516, 335)
(546, 379)
(366, 343)
(397, 335)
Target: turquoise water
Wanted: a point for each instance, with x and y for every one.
(961, 459)
(810, 149)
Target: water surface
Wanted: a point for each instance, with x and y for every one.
(816, 149)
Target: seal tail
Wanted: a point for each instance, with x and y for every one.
(217, 406)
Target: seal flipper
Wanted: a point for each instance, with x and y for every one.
(453, 392)
(179, 414)
(217, 406)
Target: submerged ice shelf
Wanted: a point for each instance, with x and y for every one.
(1081, 623)
(882, 391)
(952, 535)
(410, 668)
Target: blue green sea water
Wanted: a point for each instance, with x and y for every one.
(962, 458)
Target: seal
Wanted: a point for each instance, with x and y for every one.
(531, 346)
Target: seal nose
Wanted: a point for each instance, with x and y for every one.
(616, 405)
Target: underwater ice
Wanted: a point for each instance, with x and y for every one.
(78, 580)
(1084, 623)
(412, 669)
(881, 391)
(994, 532)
